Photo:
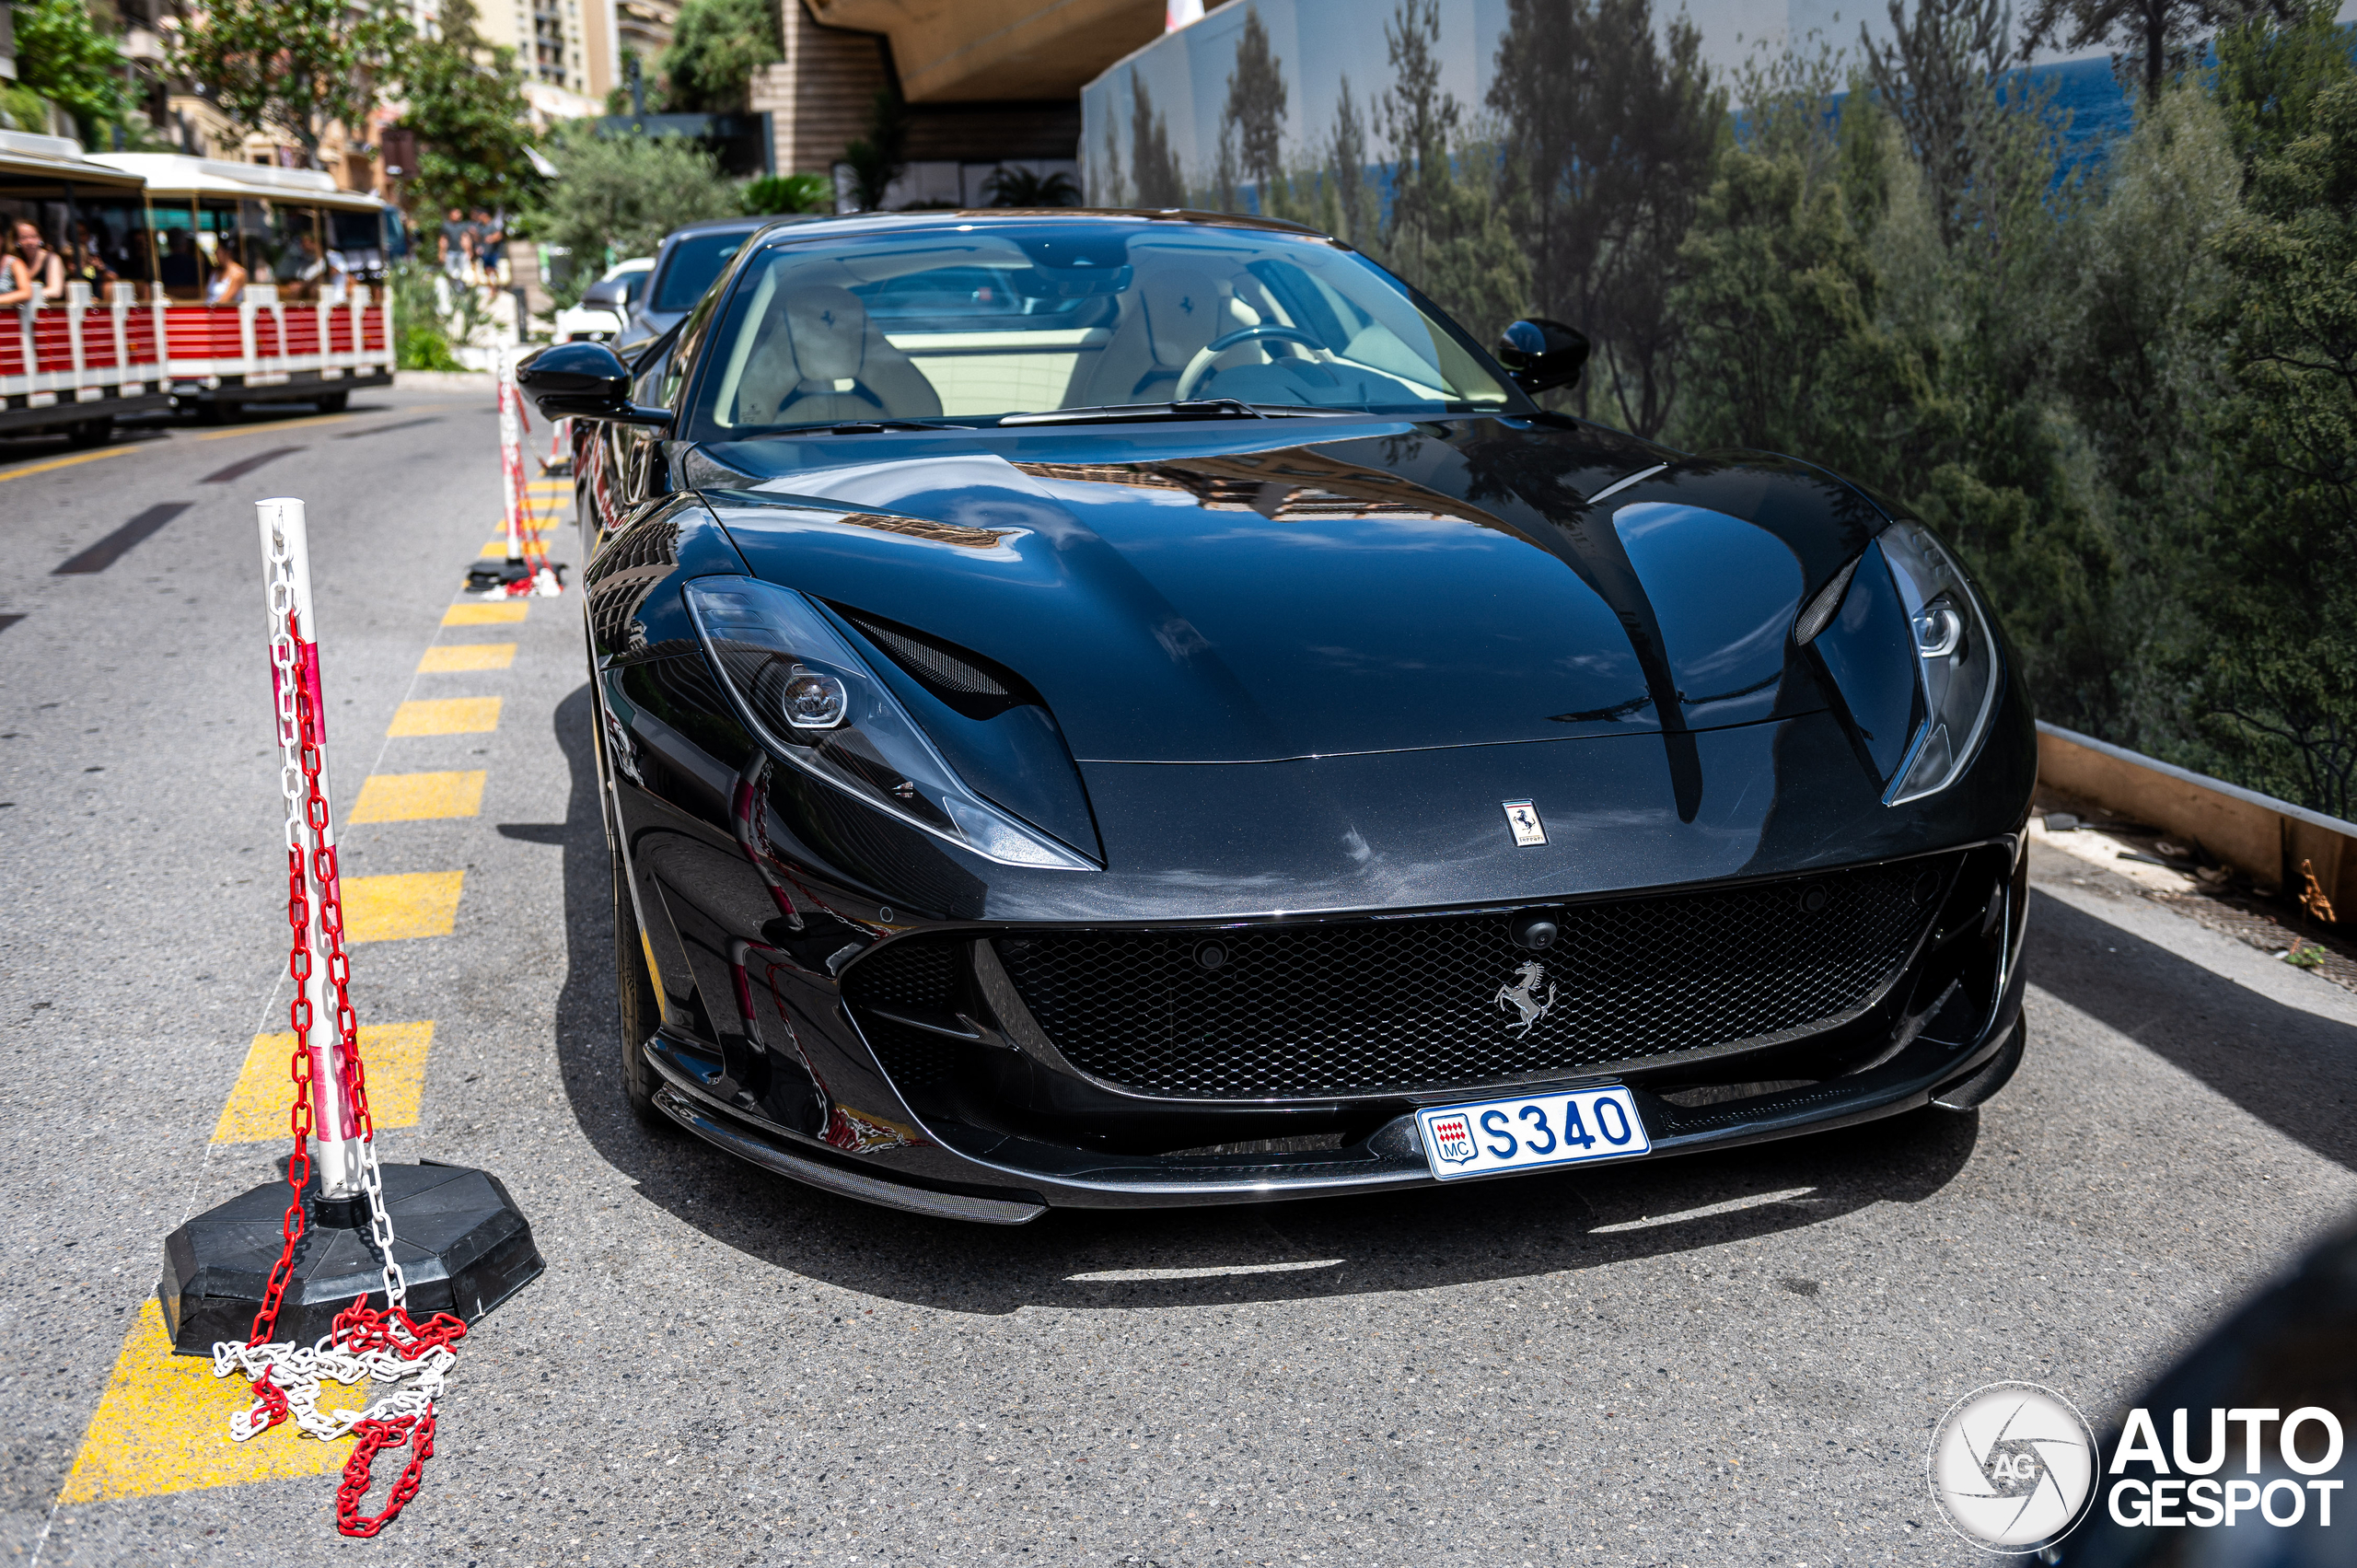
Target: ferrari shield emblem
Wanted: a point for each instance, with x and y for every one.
(1523, 817)
(1453, 1138)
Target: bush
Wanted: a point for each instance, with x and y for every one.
(618, 196)
(789, 193)
(425, 333)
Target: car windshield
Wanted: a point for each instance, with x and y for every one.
(693, 263)
(981, 322)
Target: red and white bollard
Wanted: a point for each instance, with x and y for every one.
(526, 570)
(323, 1018)
(213, 1261)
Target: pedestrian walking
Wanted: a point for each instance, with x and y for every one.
(491, 248)
(456, 243)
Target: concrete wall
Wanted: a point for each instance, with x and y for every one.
(822, 94)
(2265, 838)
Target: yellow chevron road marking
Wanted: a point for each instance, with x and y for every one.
(491, 612)
(452, 656)
(394, 1055)
(392, 909)
(446, 716)
(419, 798)
(163, 1426)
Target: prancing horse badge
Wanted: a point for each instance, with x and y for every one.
(1523, 817)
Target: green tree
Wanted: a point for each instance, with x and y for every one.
(618, 196)
(1935, 76)
(1348, 208)
(1786, 349)
(1153, 165)
(465, 103)
(63, 57)
(1255, 111)
(2150, 40)
(2277, 672)
(1448, 233)
(2141, 365)
(1832, 318)
(716, 45)
(1608, 138)
(294, 66)
(876, 158)
(2269, 76)
(1105, 186)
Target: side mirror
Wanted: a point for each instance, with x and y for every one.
(608, 294)
(1542, 355)
(584, 381)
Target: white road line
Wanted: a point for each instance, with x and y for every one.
(1125, 1276)
(1733, 1205)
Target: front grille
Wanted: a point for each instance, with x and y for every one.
(1389, 1006)
(920, 977)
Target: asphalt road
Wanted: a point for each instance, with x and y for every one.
(1723, 1359)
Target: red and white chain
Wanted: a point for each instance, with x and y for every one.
(385, 1347)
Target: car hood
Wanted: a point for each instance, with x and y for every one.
(1290, 589)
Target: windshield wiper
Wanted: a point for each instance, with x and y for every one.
(870, 426)
(1197, 408)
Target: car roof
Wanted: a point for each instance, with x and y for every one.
(716, 225)
(1017, 216)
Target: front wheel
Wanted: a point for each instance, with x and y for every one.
(638, 1008)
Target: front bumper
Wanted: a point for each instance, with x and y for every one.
(1949, 1032)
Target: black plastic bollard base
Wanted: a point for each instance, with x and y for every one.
(497, 574)
(460, 1242)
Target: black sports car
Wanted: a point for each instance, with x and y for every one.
(1109, 708)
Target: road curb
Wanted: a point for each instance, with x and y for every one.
(445, 381)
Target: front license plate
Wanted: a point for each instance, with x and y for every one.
(1526, 1133)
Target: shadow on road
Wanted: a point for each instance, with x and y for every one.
(1269, 1252)
(2292, 1070)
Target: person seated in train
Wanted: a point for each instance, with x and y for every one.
(181, 271)
(134, 261)
(318, 271)
(47, 267)
(227, 283)
(86, 261)
(15, 278)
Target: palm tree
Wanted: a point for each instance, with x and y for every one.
(1025, 188)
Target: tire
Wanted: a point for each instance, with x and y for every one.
(331, 402)
(638, 1009)
(90, 432)
(219, 411)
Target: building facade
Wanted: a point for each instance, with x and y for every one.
(988, 84)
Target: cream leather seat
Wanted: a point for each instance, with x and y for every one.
(1169, 316)
(822, 357)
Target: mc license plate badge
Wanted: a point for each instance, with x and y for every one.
(1532, 1131)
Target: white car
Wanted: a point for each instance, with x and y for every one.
(604, 303)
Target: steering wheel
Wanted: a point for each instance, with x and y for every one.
(1199, 366)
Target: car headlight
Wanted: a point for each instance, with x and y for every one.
(1955, 662)
(806, 695)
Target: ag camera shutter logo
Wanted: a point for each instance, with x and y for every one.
(2012, 1466)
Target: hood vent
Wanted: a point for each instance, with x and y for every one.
(966, 682)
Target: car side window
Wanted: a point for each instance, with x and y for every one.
(647, 383)
(683, 350)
